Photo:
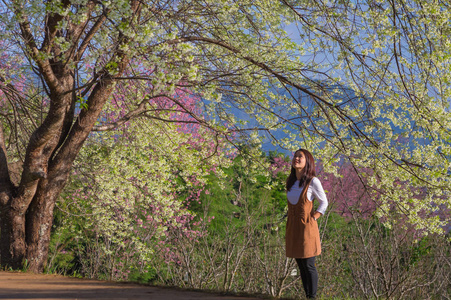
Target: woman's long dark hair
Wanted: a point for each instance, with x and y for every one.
(307, 173)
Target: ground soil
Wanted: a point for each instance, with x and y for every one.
(17, 285)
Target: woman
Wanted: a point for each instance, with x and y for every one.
(302, 234)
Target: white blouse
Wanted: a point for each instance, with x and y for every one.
(315, 191)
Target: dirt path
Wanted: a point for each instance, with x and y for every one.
(33, 286)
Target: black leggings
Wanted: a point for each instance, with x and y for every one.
(309, 275)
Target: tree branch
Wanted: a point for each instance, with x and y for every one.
(81, 50)
(63, 159)
(30, 42)
(263, 66)
(75, 31)
(51, 24)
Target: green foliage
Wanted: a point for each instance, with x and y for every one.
(62, 259)
(420, 250)
(147, 275)
(248, 186)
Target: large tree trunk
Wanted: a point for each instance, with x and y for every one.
(24, 201)
(39, 218)
(25, 236)
(26, 226)
(39, 222)
(26, 208)
(26, 220)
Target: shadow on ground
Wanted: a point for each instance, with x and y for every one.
(16, 285)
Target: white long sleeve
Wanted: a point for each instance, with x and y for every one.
(315, 191)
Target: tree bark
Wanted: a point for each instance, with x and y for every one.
(39, 222)
(12, 239)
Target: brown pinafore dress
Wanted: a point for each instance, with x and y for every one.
(302, 234)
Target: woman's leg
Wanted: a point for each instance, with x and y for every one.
(304, 275)
(309, 275)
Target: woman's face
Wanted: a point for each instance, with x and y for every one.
(298, 161)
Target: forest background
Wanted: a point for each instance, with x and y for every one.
(131, 141)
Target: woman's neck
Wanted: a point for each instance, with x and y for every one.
(298, 174)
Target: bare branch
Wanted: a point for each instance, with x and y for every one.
(89, 36)
(127, 117)
(263, 66)
(35, 53)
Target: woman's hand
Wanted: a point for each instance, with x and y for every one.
(316, 215)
